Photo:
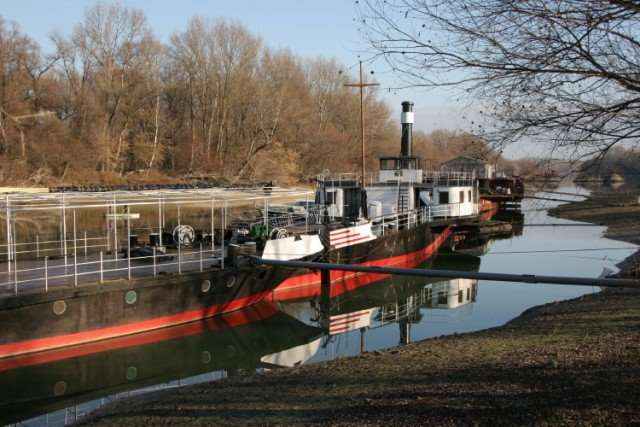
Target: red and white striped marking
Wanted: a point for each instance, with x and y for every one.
(351, 236)
(349, 321)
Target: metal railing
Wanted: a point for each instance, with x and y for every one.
(443, 178)
(437, 178)
(409, 219)
(45, 273)
(54, 247)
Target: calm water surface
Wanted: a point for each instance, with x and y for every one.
(395, 311)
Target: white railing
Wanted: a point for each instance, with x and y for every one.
(409, 219)
(443, 178)
(47, 273)
(437, 178)
(340, 177)
(41, 248)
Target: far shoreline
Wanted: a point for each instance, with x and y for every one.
(619, 212)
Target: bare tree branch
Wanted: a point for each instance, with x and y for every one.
(563, 74)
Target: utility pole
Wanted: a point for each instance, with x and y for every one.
(362, 85)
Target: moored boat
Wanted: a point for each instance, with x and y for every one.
(399, 219)
(50, 302)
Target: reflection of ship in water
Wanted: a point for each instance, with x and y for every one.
(478, 242)
(245, 340)
(396, 299)
(258, 337)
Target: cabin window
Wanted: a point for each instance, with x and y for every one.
(442, 297)
(469, 195)
(387, 164)
(409, 164)
(468, 293)
(460, 296)
(462, 197)
(331, 197)
(443, 198)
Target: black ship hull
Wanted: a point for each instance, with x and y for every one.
(88, 313)
(402, 249)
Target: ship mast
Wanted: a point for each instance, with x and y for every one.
(361, 85)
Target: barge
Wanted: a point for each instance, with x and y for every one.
(84, 286)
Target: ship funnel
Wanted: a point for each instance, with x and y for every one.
(407, 128)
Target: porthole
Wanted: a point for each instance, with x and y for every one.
(131, 297)
(59, 307)
(262, 274)
(131, 373)
(59, 388)
(231, 351)
(206, 285)
(206, 357)
(231, 281)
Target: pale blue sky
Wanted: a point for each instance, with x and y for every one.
(310, 28)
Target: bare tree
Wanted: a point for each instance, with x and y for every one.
(112, 49)
(213, 69)
(14, 84)
(564, 74)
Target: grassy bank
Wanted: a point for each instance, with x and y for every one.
(569, 363)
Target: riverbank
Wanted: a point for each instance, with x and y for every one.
(575, 362)
(620, 212)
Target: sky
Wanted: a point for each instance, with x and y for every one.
(311, 29)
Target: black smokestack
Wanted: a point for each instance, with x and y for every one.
(407, 128)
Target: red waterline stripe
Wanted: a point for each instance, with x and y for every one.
(49, 343)
(309, 278)
(308, 285)
(254, 313)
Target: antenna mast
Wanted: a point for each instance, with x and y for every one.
(362, 85)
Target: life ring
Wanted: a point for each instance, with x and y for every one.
(278, 233)
(183, 235)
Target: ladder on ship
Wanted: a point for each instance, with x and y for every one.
(403, 198)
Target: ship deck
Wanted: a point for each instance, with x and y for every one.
(67, 239)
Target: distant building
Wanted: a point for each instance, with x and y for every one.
(481, 168)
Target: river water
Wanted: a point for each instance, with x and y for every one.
(273, 335)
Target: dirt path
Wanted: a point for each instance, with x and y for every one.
(570, 363)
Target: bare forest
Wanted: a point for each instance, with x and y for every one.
(113, 104)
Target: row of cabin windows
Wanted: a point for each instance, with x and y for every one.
(442, 296)
(460, 295)
(444, 197)
(399, 163)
